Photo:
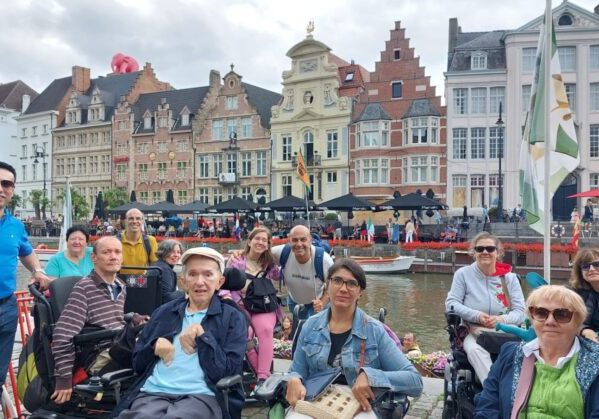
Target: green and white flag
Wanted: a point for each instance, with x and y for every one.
(564, 152)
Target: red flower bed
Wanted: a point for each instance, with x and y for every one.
(518, 247)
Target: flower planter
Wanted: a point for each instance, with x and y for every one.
(558, 259)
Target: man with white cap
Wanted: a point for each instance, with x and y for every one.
(188, 346)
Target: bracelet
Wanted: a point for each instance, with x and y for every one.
(38, 270)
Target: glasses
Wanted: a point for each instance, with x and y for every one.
(338, 282)
(561, 315)
(587, 266)
(7, 184)
(489, 249)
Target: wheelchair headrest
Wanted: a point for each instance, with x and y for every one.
(60, 290)
(234, 279)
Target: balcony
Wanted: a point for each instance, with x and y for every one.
(226, 179)
(311, 161)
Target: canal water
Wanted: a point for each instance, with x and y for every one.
(414, 303)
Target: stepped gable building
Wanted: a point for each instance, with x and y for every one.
(152, 145)
(314, 117)
(82, 144)
(488, 68)
(397, 136)
(231, 136)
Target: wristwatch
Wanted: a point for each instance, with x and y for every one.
(38, 270)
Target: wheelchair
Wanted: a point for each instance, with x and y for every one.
(96, 396)
(390, 404)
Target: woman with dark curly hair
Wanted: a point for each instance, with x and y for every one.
(585, 281)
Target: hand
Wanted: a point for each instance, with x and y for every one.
(61, 396)
(139, 319)
(295, 391)
(487, 321)
(165, 350)
(590, 334)
(41, 279)
(235, 257)
(362, 391)
(188, 338)
(318, 305)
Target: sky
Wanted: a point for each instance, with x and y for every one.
(40, 40)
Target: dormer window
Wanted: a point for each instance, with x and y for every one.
(478, 61)
(185, 119)
(349, 76)
(147, 121)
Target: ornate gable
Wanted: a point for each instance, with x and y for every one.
(579, 18)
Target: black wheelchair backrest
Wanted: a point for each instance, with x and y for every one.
(60, 290)
(235, 279)
(144, 290)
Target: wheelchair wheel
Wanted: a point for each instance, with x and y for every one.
(449, 410)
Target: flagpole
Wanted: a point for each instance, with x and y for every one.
(307, 207)
(548, 144)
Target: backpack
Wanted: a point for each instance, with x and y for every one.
(318, 260)
(318, 242)
(146, 244)
(261, 295)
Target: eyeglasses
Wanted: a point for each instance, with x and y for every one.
(489, 249)
(338, 282)
(561, 315)
(7, 184)
(587, 266)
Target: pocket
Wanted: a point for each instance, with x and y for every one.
(371, 356)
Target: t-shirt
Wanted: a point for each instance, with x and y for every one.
(134, 254)
(60, 266)
(302, 284)
(13, 244)
(337, 342)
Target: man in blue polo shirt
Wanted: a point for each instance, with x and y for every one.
(13, 244)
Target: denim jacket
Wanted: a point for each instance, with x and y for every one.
(384, 364)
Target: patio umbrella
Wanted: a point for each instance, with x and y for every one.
(132, 197)
(593, 193)
(348, 202)
(195, 206)
(170, 196)
(163, 206)
(126, 207)
(99, 207)
(287, 203)
(234, 205)
(412, 201)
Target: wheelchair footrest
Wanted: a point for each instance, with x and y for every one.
(268, 390)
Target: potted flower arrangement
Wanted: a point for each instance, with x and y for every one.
(429, 365)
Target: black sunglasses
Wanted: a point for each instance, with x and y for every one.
(587, 266)
(489, 249)
(561, 315)
(7, 184)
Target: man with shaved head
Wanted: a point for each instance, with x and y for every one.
(139, 249)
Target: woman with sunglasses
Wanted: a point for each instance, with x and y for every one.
(342, 335)
(554, 376)
(585, 281)
(483, 294)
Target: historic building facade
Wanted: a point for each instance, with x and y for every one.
(313, 117)
(397, 138)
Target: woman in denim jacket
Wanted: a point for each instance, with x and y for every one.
(338, 335)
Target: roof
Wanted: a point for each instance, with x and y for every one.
(489, 42)
(373, 112)
(50, 98)
(191, 98)
(421, 107)
(263, 100)
(113, 86)
(11, 94)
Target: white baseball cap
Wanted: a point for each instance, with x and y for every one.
(205, 252)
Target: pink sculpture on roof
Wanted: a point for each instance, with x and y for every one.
(122, 64)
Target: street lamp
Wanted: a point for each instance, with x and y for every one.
(40, 152)
(499, 124)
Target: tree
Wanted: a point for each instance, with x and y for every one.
(36, 197)
(16, 201)
(78, 203)
(115, 197)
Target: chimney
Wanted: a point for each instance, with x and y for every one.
(596, 10)
(25, 103)
(214, 78)
(453, 34)
(80, 79)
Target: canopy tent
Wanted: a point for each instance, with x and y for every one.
(593, 193)
(348, 202)
(412, 201)
(126, 207)
(163, 206)
(235, 205)
(287, 203)
(192, 207)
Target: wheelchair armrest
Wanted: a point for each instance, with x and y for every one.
(95, 336)
(227, 382)
(271, 387)
(116, 376)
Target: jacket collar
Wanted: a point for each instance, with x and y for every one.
(358, 325)
(99, 281)
(214, 309)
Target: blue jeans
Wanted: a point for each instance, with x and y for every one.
(303, 314)
(8, 328)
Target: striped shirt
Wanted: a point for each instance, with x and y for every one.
(90, 304)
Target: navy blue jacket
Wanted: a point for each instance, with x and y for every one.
(221, 348)
(497, 398)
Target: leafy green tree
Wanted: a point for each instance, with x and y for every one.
(79, 204)
(36, 197)
(16, 201)
(115, 197)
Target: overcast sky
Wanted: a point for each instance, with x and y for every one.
(184, 39)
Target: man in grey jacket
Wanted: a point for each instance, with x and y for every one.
(478, 297)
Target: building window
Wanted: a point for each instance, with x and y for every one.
(217, 195)
(594, 180)
(529, 57)
(286, 183)
(331, 177)
(594, 141)
(396, 54)
(246, 164)
(246, 127)
(571, 94)
(594, 52)
(143, 197)
(121, 172)
(418, 169)
(565, 20)
(477, 190)
(526, 97)
(231, 127)
(594, 95)
(203, 195)
(372, 171)
(231, 163)
(185, 119)
(496, 96)
(494, 189)
(24, 151)
(231, 193)
(460, 139)
(161, 171)
(332, 144)
(421, 132)
(143, 171)
(156, 197)
(478, 61)
(349, 76)
(34, 171)
(286, 147)
(495, 142)
(246, 192)
(181, 197)
(374, 133)
(232, 102)
(203, 163)
(142, 148)
(162, 147)
(459, 190)
(217, 129)
(460, 101)
(182, 145)
(477, 143)
(567, 58)
(217, 160)
(260, 163)
(182, 169)
(478, 100)
(45, 129)
(163, 122)
(396, 88)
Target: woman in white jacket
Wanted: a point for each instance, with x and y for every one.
(478, 297)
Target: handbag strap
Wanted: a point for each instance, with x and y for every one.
(362, 352)
(506, 291)
(524, 385)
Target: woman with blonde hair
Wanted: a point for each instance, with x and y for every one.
(584, 279)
